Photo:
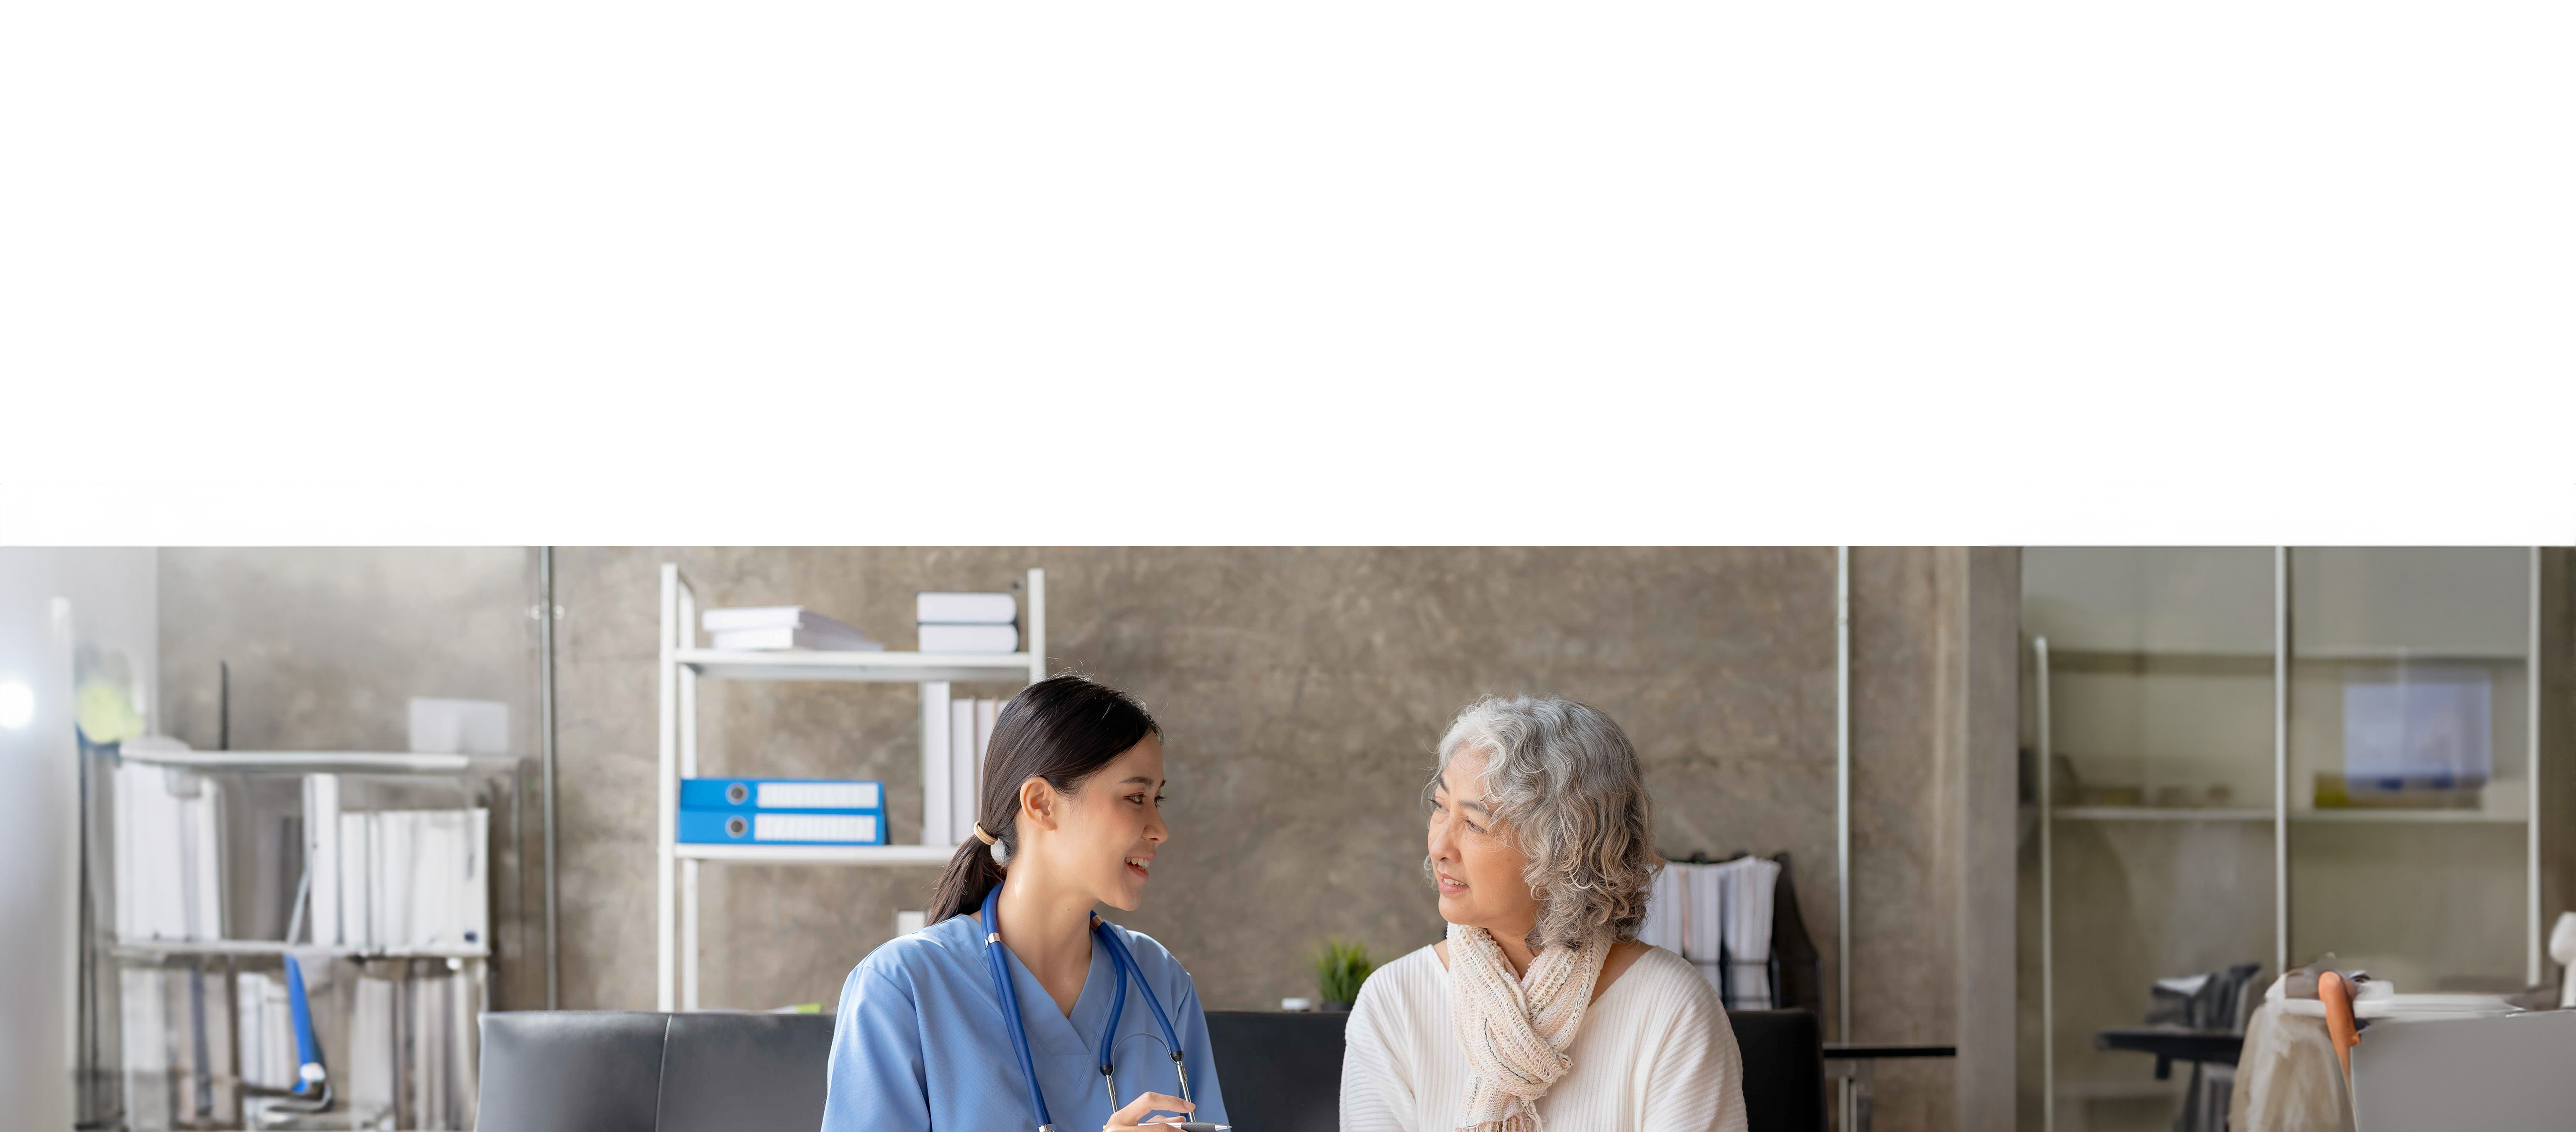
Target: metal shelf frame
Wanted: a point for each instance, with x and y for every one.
(148, 948)
(682, 664)
(331, 762)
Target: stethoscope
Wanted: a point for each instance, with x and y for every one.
(1118, 959)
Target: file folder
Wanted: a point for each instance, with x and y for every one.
(781, 794)
(782, 827)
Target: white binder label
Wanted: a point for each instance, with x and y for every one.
(818, 796)
(860, 828)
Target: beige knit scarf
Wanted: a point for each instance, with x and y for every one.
(1516, 1031)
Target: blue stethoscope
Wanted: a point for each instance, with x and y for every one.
(1118, 959)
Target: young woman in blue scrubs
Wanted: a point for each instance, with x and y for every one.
(1069, 817)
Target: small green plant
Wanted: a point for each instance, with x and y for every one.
(1340, 969)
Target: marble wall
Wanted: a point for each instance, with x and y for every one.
(1300, 690)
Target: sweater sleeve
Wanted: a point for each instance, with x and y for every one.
(1696, 1079)
(1377, 1069)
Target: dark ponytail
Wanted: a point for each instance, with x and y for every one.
(1061, 729)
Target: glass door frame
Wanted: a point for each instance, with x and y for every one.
(2282, 655)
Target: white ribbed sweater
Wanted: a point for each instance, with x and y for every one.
(1655, 1052)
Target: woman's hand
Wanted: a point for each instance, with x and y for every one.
(1132, 1117)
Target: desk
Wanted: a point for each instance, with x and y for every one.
(2174, 1043)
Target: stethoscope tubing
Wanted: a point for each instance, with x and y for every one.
(1122, 962)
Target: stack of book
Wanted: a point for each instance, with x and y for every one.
(408, 1059)
(781, 811)
(403, 881)
(755, 628)
(963, 622)
(1718, 917)
(412, 1055)
(169, 851)
(267, 1025)
(177, 1038)
(970, 731)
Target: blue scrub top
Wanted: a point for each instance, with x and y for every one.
(920, 1043)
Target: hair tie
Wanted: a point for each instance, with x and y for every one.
(986, 838)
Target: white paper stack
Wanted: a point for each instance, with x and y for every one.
(1719, 917)
(1704, 941)
(268, 1054)
(169, 854)
(970, 732)
(370, 1075)
(1749, 885)
(144, 1023)
(967, 622)
(437, 1077)
(411, 1060)
(177, 1037)
(770, 627)
(426, 881)
(397, 880)
(1668, 910)
(322, 859)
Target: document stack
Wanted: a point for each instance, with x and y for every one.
(964, 622)
(177, 1045)
(1718, 917)
(964, 729)
(781, 811)
(410, 1050)
(401, 881)
(169, 842)
(768, 627)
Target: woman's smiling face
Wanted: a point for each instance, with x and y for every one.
(1480, 875)
(1117, 822)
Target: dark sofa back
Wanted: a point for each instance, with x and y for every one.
(615, 1071)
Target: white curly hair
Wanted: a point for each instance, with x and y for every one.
(1563, 783)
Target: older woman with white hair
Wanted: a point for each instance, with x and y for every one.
(1541, 1009)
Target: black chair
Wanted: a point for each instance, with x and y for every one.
(618, 1071)
(614, 1071)
(1784, 1069)
(1287, 1069)
(1281, 1072)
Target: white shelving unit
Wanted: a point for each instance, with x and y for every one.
(683, 664)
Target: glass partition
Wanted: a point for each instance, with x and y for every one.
(2390, 691)
(2410, 763)
(2152, 673)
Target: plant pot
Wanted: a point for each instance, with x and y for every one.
(1338, 1007)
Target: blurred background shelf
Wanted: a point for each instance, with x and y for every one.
(330, 762)
(2409, 817)
(859, 667)
(156, 948)
(2159, 813)
(820, 854)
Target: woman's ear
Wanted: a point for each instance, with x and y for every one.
(1038, 803)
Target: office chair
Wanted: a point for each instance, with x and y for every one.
(2199, 1020)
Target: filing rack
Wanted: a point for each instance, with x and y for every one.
(682, 664)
